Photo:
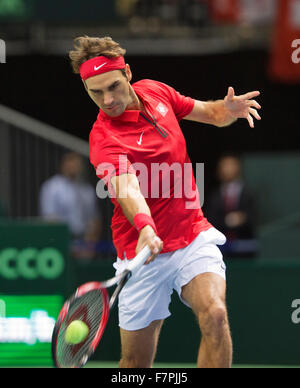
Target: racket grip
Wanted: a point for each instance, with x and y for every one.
(139, 259)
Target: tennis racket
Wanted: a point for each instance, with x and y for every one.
(91, 304)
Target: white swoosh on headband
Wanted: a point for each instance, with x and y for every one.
(99, 67)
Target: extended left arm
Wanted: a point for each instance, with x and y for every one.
(223, 113)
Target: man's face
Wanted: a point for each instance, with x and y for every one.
(72, 167)
(229, 169)
(110, 91)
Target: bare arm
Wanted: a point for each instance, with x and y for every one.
(132, 201)
(223, 113)
(211, 112)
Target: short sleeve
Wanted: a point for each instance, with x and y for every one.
(109, 161)
(182, 105)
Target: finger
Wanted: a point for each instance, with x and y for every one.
(250, 120)
(230, 93)
(151, 258)
(158, 244)
(254, 104)
(255, 114)
(155, 246)
(250, 95)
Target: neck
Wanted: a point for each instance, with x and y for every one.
(136, 103)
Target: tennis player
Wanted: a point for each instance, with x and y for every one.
(136, 130)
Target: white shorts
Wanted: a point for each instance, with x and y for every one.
(147, 295)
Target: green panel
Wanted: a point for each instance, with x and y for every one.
(280, 243)
(26, 325)
(16, 10)
(260, 297)
(33, 257)
(275, 179)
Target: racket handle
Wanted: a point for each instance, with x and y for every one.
(139, 259)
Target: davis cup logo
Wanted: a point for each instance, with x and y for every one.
(162, 109)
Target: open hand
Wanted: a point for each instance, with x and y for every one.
(243, 106)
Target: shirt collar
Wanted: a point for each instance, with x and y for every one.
(127, 115)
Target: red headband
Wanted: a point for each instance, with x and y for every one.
(100, 65)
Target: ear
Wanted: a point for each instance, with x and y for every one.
(128, 72)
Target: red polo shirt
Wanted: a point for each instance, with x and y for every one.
(151, 145)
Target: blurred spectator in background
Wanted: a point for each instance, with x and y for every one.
(67, 198)
(231, 209)
(251, 12)
(150, 17)
(153, 17)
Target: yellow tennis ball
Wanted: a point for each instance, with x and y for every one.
(76, 332)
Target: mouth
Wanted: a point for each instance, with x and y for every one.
(110, 109)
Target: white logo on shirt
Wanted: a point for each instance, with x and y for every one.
(163, 110)
(140, 141)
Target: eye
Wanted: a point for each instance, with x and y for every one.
(114, 86)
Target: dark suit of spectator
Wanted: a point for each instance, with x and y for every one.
(231, 209)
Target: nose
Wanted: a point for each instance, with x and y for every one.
(108, 100)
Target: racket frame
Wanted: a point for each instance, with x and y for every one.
(108, 304)
(80, 291)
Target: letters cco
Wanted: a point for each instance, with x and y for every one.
(31, 263)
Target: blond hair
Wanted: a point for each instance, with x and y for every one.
(86, 47)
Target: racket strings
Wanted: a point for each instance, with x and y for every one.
(89, 309)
